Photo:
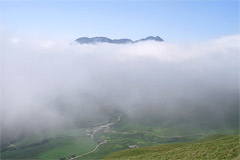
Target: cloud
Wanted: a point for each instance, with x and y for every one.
(48, 83)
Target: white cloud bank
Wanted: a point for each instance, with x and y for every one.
(49, 83)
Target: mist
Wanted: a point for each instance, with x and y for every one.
(49, 83)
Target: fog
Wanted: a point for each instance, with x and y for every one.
(50, 83)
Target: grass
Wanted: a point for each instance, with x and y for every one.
(149, 132)
(143, 133)
(212, 147)
(118, 142)
(69, 147)
(49, 135)
(172, 127)
(64, 144)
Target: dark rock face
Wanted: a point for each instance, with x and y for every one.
(86, 40)
(93, 40)
(150, 38)
(122, 41)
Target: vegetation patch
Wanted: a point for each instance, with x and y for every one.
(212, 147)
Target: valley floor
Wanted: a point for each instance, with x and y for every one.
(111, 139)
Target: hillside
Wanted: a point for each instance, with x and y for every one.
(211, 147)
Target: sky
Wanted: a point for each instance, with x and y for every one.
(174, 21)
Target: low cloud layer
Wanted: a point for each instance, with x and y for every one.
(51, 83)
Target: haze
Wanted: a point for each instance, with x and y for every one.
(48, 84)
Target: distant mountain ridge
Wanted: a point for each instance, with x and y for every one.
(87, 40)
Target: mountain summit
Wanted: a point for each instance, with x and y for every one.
(87, 40)
(150, 38)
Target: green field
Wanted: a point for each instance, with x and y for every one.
(212, 147)
(175, 137)
(63, 144)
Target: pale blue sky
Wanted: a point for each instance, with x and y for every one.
(174, 21)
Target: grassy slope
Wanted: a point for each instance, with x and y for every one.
(152, 131)
(118, 142)
(213, 147)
